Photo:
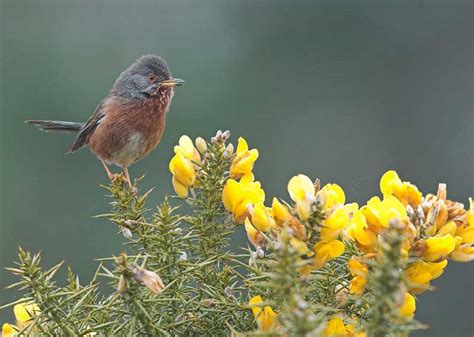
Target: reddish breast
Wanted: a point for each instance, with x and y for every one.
(131, 129)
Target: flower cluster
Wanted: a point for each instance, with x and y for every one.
(321, 224)
(244, 197)
(319, 265)
(184, 166)
(435, 229)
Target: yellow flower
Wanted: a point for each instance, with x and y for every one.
(449, 228)
(470, 213)
(390, 182)
(379, 214)
(244, 160)
(334, 224)
(408, 194)
(303, 209)
(420, 273)
(359, 231)
(359, 271)
(408, 307)
(391, 209)
(301, 188)
(370, 212)
(465, 232)
(356, 267)
(182, 166)
(266, 317)
(254, 236)
(463, 253)
(8, 330)
(332, 195)
(326, 251)
(237, 196)
(280, 212)
(262, 218)
(183, 169)
(186, 148)
(24, 312)
(299, 246)
(336, 327)
(357, 284)
(438, 247)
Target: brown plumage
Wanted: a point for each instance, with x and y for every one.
(129, 123)
(128, 131)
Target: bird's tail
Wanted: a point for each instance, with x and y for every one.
(60, 126)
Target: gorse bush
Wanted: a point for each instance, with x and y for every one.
(318, 266)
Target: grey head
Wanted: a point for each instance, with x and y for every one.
(145, 78)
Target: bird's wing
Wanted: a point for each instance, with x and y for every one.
(88, 128)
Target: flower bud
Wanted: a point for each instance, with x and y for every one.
(225, 135)
(183, 256)
(127, 233)
(150, 279)
(201, 145)
(230, 149)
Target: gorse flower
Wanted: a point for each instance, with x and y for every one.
(408, 307)
(265, 317)
(438, 247)
(359, 231)
(359, 272)
(237, 196)
(301, 190)
(24, 315)
(335, 327)
(253, 234)
(8, 330)
(335, 223)
(408, 194)
(326, 251)
(244, 160)
(183, 166)
(261, 217)
(280, 213)
(332, 195)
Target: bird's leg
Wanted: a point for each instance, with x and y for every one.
(113, 177)
(107, 170)
(127, 176)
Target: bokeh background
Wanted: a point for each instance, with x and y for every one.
(340, 90)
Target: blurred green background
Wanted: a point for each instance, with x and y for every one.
(340, 90)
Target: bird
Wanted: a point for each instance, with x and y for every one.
(129, 122)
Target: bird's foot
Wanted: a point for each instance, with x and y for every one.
(117, 178)
(131, 186)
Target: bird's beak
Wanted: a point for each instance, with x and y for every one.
(172, 82)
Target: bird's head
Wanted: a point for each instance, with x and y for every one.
(147, 77)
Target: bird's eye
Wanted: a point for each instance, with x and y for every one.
(152, 77)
